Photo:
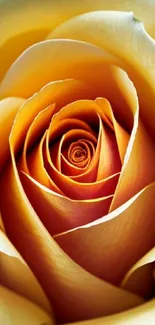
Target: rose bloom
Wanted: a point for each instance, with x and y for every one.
(77, 162)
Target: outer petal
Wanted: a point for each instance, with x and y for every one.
(110, 31)
(140, 279)
(18, 310)
(16, 275)
(54, 60)
(26, 22)
(119, 239)
(145, 314)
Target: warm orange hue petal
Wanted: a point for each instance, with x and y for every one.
(138, 170)
(59, 213)
(122, 136)
(109, 246)
(8, 110)
(140, 279)
(16, 309)
(36, 168)
(60, 91)
(88, 111)
(79, 167)
(109, 160)
(1, 224)
(74, 293)
(17, 276)
(59, 130)
(35, 131)
(144, 314)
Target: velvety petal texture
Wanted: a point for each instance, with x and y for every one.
(77, 157)
(27, 313)
(53, 268)
(140, 315)
(16, 275)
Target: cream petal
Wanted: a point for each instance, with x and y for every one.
(17, 276)
(144, 11)
(145, 314)
(28, 22)
(54, 60)
(140, 279)
(119, 239)
(110, 30)
(15, 309)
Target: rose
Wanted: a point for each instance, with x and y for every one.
(129, 229)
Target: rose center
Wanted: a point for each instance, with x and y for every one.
(80, 153)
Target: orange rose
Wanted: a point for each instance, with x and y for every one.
(77, 163)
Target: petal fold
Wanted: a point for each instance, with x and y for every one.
(17, 310)
(17, 276)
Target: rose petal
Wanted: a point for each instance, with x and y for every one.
(15, 309)
(140, 279)
(36, 131)
(110, 30)
(8, 110)
(109, 161)
(144, 314)
(60, 91)
(79, 167)
(59, 213)
(1, 224)
(143, 12)
(61, 128)
(54, 60)
(27, 22)
(74, 138)
(36, 169)
(17, 276)
(87, 111)
(122, 136)
(138, 169)
(114, 250)
(74, 293)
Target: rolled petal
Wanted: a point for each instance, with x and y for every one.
(140, 278)
(114, 251)
(36, 169)
(17, 276)
(8, 110)
(15, 309)
(87, 111)
(122, 136)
